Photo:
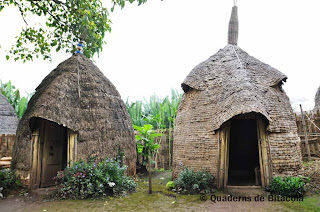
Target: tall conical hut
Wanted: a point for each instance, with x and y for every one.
(75, 113)
(235, 120)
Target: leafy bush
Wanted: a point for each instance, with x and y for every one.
(8, 180)
(288, 186)
(88, 179)
(170, 185)
(190, 181)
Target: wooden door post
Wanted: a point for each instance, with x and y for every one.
(305, 134)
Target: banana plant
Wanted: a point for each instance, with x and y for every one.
(14, 98)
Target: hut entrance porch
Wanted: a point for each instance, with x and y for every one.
(52, 145)
(243, 155)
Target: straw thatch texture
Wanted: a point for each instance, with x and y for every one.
(8, 118)
(317, 100)
(99, 116)
(235, 87)
(230, 83)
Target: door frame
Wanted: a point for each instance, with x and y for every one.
(36, 152)
(223, 159)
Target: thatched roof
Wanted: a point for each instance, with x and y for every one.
(99, 115)
(317, 100)
(232, 82)
(8, 118)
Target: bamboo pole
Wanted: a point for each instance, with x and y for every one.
(305, 134)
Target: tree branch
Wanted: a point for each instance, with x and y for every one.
(45, 10)
(21, 11)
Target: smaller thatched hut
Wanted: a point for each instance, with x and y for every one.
(8, 127)
(76, 113)
(317, 101)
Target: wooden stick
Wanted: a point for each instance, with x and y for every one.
(150, 185)
(305, 134)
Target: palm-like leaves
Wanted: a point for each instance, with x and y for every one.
(158, 112)
(19, 104)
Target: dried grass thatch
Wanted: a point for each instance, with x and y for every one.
(8, 118)
(99, 116)
(230, 83)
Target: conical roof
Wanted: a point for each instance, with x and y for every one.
(232, 82)
(8, 118)
(78, 96)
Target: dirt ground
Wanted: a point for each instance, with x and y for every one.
(160, 200)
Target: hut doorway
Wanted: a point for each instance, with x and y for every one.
(243, 158)
(243, 152)
(53, 146)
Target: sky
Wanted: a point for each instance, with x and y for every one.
(153, 47)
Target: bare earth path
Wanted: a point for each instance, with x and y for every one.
(160, 200)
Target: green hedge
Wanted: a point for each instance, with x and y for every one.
(288, 186)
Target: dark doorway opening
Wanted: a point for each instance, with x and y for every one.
(53, 151)
(243, 152)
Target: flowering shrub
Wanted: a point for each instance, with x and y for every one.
(90, 179)
(8, 180)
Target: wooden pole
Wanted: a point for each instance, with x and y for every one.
(305, 134)
(150, 186)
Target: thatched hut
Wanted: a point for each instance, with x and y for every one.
(8, 127)
(76, 113)
(235, 120)
(317, 101)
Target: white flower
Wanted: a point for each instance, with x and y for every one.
(111, 184)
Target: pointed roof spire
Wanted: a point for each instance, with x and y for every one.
(233, 26)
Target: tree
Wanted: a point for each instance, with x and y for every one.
(67, 22)
(146, 146)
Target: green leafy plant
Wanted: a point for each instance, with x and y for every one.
(146, 146)
(158, 112)
(12, 94)
(170, 185)
(8, 181)
(190, 181)
(90, 179)
(288, 186)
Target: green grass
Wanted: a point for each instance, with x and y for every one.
(309, 204)
(164, 200)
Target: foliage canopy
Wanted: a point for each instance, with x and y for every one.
(66, 22)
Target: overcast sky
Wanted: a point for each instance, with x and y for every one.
(153, 47)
